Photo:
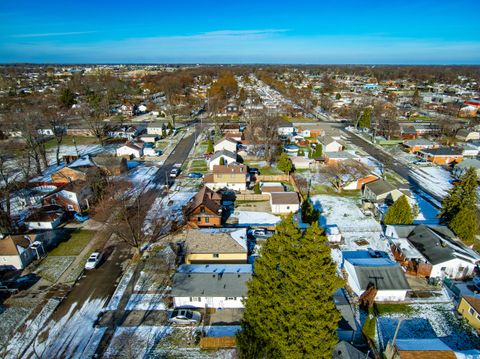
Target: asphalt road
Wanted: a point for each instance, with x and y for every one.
(178, 155)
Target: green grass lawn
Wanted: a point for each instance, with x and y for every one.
(270, 171)
(198, 166)
(68, 141)
(74, 245)
(383, 309)
(161, 145)
(326, 189)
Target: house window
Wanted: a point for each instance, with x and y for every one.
(461, 269)
(478, 316)
(288, 207)
(215, 255)
(443, 269)
(207, 220)
(471, 311)
(230, 298)
(195, 299)
(202, 209)
(199, 219)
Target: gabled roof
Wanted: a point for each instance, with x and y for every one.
(224, 153)
(380, 187)
(228, 139)
(442, 151)
(230, 169)
(284, 198)
(216, 241)
(8, 245)
(207, 198)
(418, 142)
(430, 245)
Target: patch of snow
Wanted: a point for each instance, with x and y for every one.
(251, 218)
(436, 181)
(428, 321)
(140, 301)
(427, 212)
(138, 340)
(23, 339)
(167, 207)
(120, 290)
(71, 336)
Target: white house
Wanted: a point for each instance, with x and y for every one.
(228, 158)
(284, 202)
(286, 129)
(156, 128)
(233, 177)
(212, 286)
(227, 144)
(330, 144)
(130, 149)
(44, 218)
(372, 268)
(149, 151)
(432, 251)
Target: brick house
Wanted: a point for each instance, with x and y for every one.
(204, 209)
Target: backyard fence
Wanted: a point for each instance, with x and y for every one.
(217, 342)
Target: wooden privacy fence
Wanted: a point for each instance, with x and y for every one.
(252, 197)
(273, 178)
(217, 342)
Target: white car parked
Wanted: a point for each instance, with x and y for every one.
(93, 260)
(185, 316)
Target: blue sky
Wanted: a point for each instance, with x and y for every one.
(244, 31)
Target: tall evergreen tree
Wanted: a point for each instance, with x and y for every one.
(365, 120)
(399, 213)
(285, 163)
(289, 311)
(459, 208)
(309, 213)
(210, 148)
(318, 151)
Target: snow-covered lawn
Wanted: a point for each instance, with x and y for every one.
(427, 211)
(250, 218)
(433, 180)
(167, 207)
(140, 301)
(345, 213)
(120, 290)
(428, 321)
(53, 267)
(358, 231)
(23, 339)
(135, 341)
(73, 335)
(374, 164)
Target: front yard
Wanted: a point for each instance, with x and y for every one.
(74, 245)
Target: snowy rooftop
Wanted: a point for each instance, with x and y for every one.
(421, 344)
(407, 249)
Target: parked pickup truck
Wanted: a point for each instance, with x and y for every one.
(175, 170)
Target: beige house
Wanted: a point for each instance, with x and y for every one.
(233, 177)
(15, 251)
(215, 246)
